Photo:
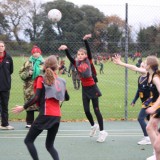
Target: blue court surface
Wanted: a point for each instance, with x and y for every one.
(73, 142)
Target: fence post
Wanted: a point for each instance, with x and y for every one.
(126, 61)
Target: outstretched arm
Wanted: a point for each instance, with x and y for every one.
(135, 98)
(117, 60)
(85, 38)
(65, 48)
(32, 101)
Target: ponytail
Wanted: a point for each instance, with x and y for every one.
(49, 77)
(51, 64)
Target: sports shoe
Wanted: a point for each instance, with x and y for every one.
(94, 130)
(102, 136)
(28, 126)
(7, 127)
(145, 141)
(151, 158)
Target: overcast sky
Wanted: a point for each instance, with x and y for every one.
(106, 2)
(140, 12)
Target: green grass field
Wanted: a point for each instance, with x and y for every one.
(111, 84)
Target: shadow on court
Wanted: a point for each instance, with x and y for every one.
(73, 142)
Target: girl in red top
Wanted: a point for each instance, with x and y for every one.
(90, 90)
(49, 91)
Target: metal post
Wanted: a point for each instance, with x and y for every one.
(126, 61)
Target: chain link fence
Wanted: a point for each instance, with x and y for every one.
(109, 38)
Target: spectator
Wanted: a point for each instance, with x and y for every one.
(75, 76)
(29, 71)
(101, 67)
(139, 62)
(62, 68)
(6, 69)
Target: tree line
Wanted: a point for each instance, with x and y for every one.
(24, 23)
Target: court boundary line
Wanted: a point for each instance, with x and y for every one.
(71, 133)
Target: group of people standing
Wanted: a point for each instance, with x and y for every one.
(48, 90)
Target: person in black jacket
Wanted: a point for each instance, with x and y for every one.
(6, 69)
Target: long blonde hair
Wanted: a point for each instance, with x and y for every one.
(153, 62)
(51, 65)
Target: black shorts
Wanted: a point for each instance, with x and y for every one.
(91, 91)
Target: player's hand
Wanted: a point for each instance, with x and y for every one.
(117, 59)
(132, 104)
(17, 109)
(87, 36)
(62, 48)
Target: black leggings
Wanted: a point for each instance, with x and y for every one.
(95, 103)
(4, 97)
(51, 134)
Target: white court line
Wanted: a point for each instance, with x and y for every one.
(85, 130)
(70, 134)
(74, 134)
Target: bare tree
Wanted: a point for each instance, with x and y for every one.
(35, 23)
(15, 11)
